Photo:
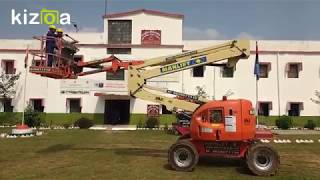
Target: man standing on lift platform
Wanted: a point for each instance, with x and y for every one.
(51, 44)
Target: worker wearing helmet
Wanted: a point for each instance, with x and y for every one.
(67, 48)
(60, 45)
(51, 44)
(63, 47)
(59, 33)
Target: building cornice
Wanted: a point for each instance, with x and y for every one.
(21, 50)
(287, 52)
(131, 45)
(146, 11)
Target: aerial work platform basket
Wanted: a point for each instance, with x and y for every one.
(66, 66)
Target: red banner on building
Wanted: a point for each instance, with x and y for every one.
(151, 37)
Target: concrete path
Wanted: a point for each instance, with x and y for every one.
(114, 127)
(134, 127)
(295, 132)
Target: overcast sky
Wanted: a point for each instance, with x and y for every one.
(204, 19)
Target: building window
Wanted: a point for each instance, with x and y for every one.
(8, 66)
(119, 75)
(264, 108)
(74, 105)
(119, 31)
(264, 70)
(119, 51)
(293, 70)
(37, 105)
(216, 116)
(5, 105)
(165, 110)
(198, 71)
(227, 72)
(295, 108)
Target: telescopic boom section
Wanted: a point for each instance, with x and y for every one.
(139, 74)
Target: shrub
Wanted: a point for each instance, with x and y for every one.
(140, 124)
(152, 122)
(310, 124)
(32, 118)
(263, 123)
(166, 127)
(83, 123)
(284, 122)
(66, 125)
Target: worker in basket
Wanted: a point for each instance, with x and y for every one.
(51, 44)
(68, 49)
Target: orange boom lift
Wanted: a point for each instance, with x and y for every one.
(223, 128)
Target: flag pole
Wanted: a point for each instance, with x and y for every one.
(23, 129)
(257, 101)
(257, 76)
(25, 84)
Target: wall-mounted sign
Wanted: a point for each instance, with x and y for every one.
(83, 86)
(67, 92)
(75, 84)
(153, 110)
(151, 37)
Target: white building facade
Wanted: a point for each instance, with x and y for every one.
(290, 70)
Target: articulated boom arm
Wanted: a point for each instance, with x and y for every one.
(140, 71)
(139, 74)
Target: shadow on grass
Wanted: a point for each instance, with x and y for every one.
(141, 152)
(212, 162)
(148, 152)
(216, 162)
(238, 164)
(55, 148)
(220, 162)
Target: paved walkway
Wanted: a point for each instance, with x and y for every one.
(133, 127)
(114, 127)
(295, 132)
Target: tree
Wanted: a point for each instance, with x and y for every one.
(317, 100)
(7, 85)
(229, 93)
(201, 93)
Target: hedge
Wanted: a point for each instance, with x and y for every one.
(63, 118)
(298, 121)
(164, 119)
(7, 118)
(58, 119)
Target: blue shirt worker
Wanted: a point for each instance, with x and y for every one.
(51, 44)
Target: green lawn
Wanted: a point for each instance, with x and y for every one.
(85, 154)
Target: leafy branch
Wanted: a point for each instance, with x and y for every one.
(7, 84)
(317, 100)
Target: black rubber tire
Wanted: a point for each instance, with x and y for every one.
(183, 145)
(269, 161)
